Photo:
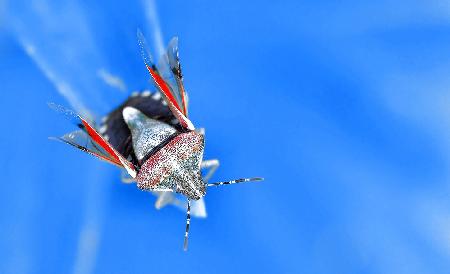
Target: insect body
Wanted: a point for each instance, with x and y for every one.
(150, 136)
(175, 165)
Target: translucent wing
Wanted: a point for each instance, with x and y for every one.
(79, 139)
(163, 80)
(170, 68)
(103, 148)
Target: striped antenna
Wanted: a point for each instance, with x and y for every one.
(188, 221)
(255, 179)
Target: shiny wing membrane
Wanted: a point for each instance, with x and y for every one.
(79, 139)
(170, 68)
(168, 79)
(90, 141)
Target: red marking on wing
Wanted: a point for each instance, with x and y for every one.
(181, 87)
(110, 154)
(175, 108)
(163, 87)
(89, 151)
(109, 160)
(99, 140)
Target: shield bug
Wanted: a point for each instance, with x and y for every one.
(151, 137)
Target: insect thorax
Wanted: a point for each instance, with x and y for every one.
(176, 166)
(170, 160)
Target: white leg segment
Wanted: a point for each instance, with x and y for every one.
(212, 165)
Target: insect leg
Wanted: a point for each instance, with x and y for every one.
(212, 165)
(188, 221)
(200, 130)
(126, 178)
(236, 181)
(164, 198)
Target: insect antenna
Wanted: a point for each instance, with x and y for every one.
(237, 181)
(188, 221)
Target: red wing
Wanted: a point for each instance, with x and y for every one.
(81, 140)
(103, 149)
(163, 82)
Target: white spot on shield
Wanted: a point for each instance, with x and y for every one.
(156, 96)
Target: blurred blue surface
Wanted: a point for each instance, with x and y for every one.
(343, 106)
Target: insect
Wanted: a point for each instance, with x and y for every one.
(152, 138)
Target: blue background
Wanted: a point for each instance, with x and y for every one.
(343, 106)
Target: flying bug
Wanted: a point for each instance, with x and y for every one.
(151, 137)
